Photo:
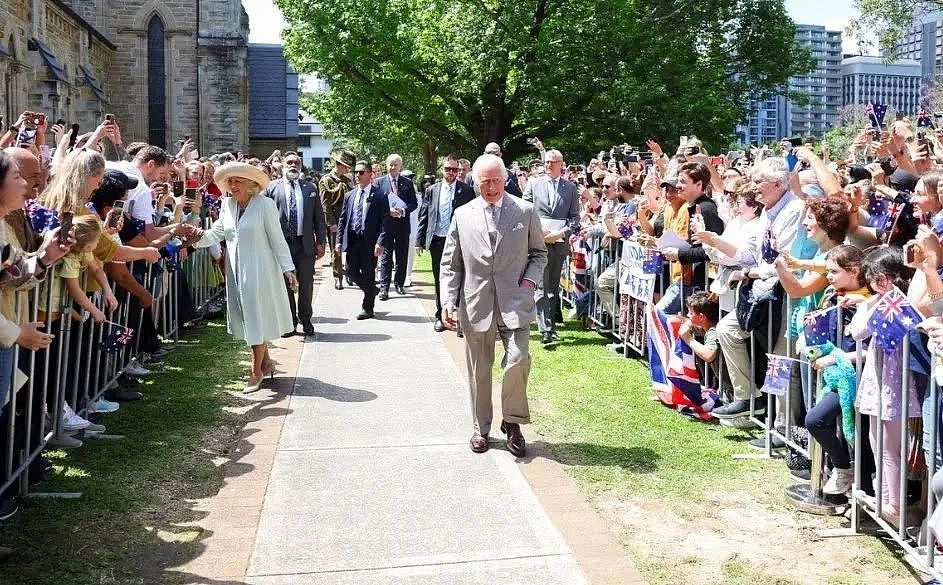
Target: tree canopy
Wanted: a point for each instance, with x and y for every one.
(454, 75)
(888, 20)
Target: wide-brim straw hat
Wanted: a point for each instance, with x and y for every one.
(242, 171)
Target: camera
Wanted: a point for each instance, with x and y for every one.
(533, 141)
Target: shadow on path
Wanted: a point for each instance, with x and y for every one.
(318, 389)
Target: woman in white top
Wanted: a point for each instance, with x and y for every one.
(740, 243)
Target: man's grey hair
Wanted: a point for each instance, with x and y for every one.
(487, 161)
(493, 148)
(774, 170)
(394, 158)
(553, 152)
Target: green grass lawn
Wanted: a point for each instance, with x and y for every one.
(133, 487)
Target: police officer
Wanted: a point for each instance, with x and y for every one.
(333, 187)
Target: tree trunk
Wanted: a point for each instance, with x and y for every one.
(429, 157)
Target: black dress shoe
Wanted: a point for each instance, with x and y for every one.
(478, 443)
(546, 338)
(400, 290)
(459, 334)
(555, 337)
(308, 332)
(438, 327)
(384, 295)
(288, 334)
(516, 444)
(365, 315)
(350, 282)
(339, 283)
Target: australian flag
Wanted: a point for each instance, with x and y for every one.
(892, 319)
(626, 227)
(769, 252)
(876, 114)
(924, 120)
(41, 219)
(820, 326)
(116, 338)
(778, 371)
(171, 254)
(653, 261)
(882, 213)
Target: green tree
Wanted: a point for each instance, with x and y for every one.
(888, 20)
(453, 75)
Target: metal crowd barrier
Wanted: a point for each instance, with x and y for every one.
(77, 369)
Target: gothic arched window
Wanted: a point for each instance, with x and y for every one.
(156, 83)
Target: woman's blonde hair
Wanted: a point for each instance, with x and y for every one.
(67, 191)
(86, 230)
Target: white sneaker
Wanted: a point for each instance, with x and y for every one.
(135, 369)
(72, 421)
(839, 482)
(103, 405)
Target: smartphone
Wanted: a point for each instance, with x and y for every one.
(178, 188)
(914, 254)
(190, 197)
(109, 117)
(39, 119)
(632, 158)
(716, 160)
(116, 211)
(73, 135)
(65, 226)
(60, 122)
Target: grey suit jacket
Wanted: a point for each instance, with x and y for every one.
(566, 206)
(314, 226)
(478, 278)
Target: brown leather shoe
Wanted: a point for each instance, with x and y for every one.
(478, 443)
(516, 444)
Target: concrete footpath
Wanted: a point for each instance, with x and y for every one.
(373, 481)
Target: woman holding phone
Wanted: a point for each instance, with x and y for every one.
(258, 263)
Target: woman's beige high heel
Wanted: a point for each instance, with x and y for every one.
(252, 387)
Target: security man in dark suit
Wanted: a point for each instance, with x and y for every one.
(439, 203)
(510, 184)
(363, 232)
(305, 230)
(401, 195)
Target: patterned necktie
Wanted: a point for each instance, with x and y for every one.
(292, 211)
(358, 212)
(493, 224)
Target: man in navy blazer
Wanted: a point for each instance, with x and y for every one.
(305, 230)
(363, 232)
(395, 187)
(439, 203)
(558, 205)
(510, 184)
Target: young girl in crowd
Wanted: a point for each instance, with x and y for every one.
(87, 230)
(845, 277)
(884, 269)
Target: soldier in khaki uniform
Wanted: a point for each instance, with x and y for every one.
(333, 187)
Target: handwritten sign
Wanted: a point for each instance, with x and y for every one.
(635, 282)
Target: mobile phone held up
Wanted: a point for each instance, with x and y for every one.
(114, 218)
(190, 198)
(65, 226)
(73, 135)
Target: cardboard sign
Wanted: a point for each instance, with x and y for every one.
(635, 282)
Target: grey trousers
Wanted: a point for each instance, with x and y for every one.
(479, 357)
(549, 300)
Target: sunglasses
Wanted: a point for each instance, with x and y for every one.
(362, 172)
(451, 169)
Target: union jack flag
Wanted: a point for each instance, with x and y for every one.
(770, 253)
(876, 114)
(892, 319)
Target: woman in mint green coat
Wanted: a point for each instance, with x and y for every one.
(258, 263)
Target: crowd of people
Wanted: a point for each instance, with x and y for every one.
(776, 269)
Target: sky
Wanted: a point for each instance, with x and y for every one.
(266, 22)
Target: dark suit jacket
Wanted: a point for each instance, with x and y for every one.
(429, 209)
(376, 224)
(405, 191)
(314, 226)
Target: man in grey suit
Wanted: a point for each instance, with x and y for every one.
(493, 258)
(305, 230)
(558, 205)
